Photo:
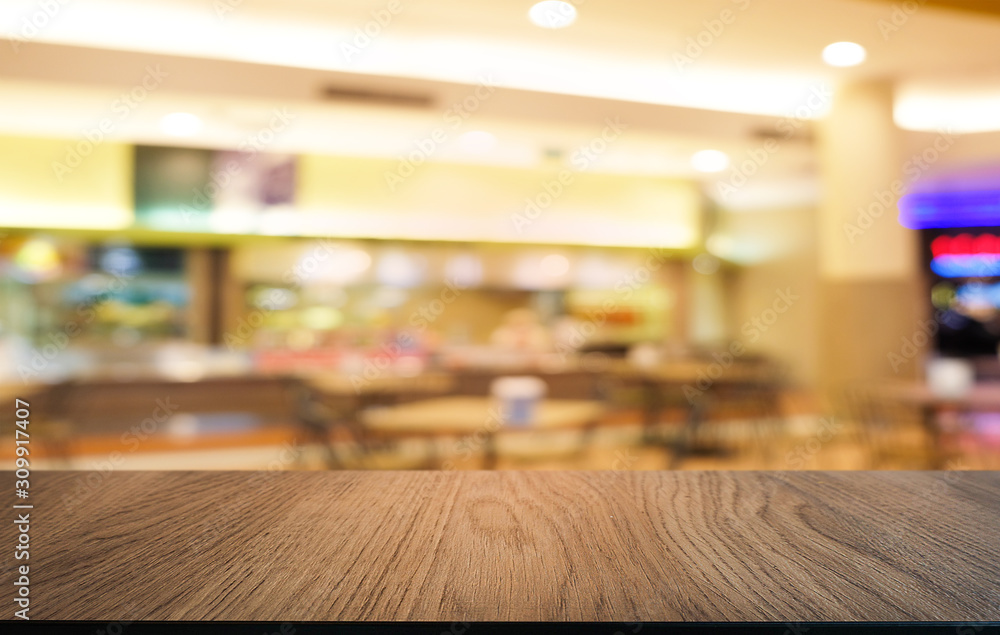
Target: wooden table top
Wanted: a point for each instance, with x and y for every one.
(601, 546)
(467, 415)
(9, 391)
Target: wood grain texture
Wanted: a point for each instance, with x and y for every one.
(615, 546)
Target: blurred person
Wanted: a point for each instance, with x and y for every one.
(567, 334)
(522, 331)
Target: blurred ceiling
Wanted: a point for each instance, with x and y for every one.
(982, 6)
(632, 50)
(374, 78)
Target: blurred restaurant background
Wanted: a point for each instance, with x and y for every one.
(432, 234)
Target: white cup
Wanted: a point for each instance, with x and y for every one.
(950, 378)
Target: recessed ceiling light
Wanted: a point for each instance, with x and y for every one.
(844, 54)
(710, 161)
(181, 124)
(552, 14)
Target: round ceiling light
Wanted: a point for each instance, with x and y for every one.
(552, 14)
(844, 54)
(710, 161)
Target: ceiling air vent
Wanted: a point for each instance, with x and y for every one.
(376, 97)
(786, 129)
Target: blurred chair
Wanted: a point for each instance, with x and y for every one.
(337, 431)
(335, 401)
(748, 395)
(892, 433)
(53, 432)
(978, 445)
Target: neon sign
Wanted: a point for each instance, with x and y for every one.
(978, 296)
(966, 256)
(929, 210)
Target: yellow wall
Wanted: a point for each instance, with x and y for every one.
(479, 203)
(784, 242)
(43, 185)
(46, 183)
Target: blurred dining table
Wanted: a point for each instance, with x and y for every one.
(379, 386)
(981, 397)
(9, 391)
(931, 404)
(481, 418)
(697, 385)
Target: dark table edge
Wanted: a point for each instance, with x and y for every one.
(497, 628)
